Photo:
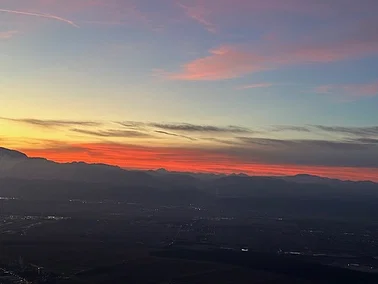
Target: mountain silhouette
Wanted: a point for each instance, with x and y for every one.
(11, 154)
(17, 165)
(14, 164)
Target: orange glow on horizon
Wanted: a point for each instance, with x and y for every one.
(188, 160)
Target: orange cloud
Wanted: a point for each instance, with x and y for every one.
(187, 159)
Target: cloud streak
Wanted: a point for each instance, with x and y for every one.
(302, 152)
(236, 14)
(163, 128)
(237, 146)
(350, 90)
(50, 123)
(115, 133)
(307, 143)
(175, 135)
(187, 127)
(39, 15)
(200, 15)
(354, 131)
(283, 128)
(255, 86)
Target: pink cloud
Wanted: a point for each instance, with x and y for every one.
(222, 63)
(325, 46)
(228, 62)
(350, 90)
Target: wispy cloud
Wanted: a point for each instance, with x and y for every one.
(264, 141)
(8, 34)
(40, 15)
(350, 90)
(175, 135)
(344, 132)
(214, 16)
(255, 86)
(239, 144)
(132, 124)
(50, 123)
(279, 128)
(187, 127)
(354, 131)
(200, 15)
(224, 14)
(115, 133)
(366, 140)
(362, 132)
(221, 141)
(305, 143)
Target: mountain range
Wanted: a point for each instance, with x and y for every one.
(17, 165)
(46, 182)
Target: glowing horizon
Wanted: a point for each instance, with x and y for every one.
(144, 158)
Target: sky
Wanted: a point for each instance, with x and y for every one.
(264, 87)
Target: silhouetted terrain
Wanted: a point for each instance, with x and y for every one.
(97, 223)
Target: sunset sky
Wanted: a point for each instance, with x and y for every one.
(265, 87)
